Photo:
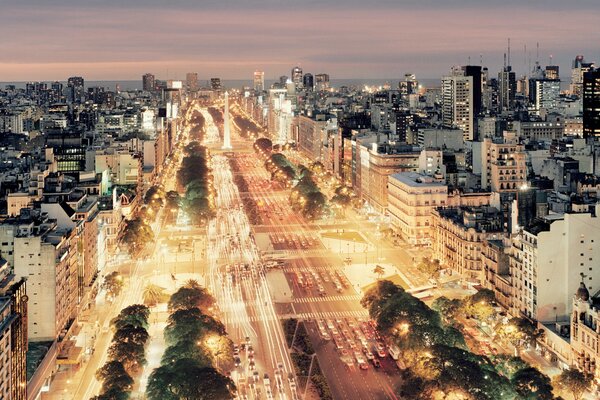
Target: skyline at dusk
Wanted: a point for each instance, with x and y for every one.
(114, 40)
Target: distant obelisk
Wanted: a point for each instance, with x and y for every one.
(226, 132)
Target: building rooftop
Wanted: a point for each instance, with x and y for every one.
(415, 179)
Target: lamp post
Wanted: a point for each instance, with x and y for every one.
(312, 359)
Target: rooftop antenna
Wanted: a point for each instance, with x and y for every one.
(537, 53)
(508, 51)
(481, 59)
(504, 60)
(550, 59)
(469, 60)
(525, 54)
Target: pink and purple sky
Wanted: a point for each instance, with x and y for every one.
(112, 39)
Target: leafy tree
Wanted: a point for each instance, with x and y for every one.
(137, 234)
(519, 330)
(130, 354)
(379, 271)
(173, 200)
(191, 324)
(154, 198)
(263, 146)
(199, 209)
(315, 205)
(161, 384)
(185, 379)
(135, 315)
(132, 334)
(113, 394)
(574, 382)
(448, 308)
(430, 267)
(190, 297)
(531, 384)
(114, 378)
(508, 365)
(153, 294)
(113, 284)
(480, 305)
(461, 371)
(187, 348)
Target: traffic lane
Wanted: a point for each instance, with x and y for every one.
(351, 382)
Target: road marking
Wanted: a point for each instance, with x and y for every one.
(351, 297)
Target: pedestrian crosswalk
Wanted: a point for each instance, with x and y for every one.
(328, 315)
(228, 320)
(351, 297)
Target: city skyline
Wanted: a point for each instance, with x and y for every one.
(231, 39)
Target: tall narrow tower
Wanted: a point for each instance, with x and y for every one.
(226, 132)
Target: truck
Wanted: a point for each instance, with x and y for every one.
(394, 351)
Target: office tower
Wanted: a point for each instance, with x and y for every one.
(474, 71)
(75, 89)
(409, 85)
(507, 87)
(322, 82)
(547, 94)
(297, 76)
(283, 81)
(191, 81)
(215, 83)
(591, 103)
(308, 82)
(148, 82)
(579, 68)
(552, 72)
(259, 81)
(457, 102)
(13, 328)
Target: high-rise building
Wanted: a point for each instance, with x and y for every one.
(409, 85)
(76, 87)
(297, 76)
(191, 81)
(259, 81)
(547, 94)
(148, 82)
(13, 311)
(579, 68)
(474, 71)
(322, 82)
(507, 87)
(552, 72)
(591, 103)
(457, 102)
(215, 83)
(308, 82)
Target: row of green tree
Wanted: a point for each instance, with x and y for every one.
(126, 354)
(247, 127)
(437, 359)
(281, 169)
(216, 114)
(195, 176)
(263, 147)
(306, 197)
(198, 352)
(197, 127)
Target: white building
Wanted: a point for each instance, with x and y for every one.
(411, 198)
(457, 102)
(547, 261)
(47, 257)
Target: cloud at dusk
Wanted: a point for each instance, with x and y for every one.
(47, 40)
